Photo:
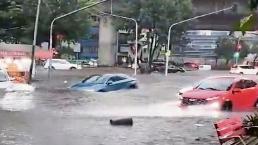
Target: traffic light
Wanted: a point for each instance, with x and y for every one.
(238, 47)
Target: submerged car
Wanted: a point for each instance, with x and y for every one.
(189, 66)
(5, 80)
(227, 92)
(106, 83)
(160, 67)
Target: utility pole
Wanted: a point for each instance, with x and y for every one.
(34, 42)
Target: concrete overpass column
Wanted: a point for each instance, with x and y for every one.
(106, 51)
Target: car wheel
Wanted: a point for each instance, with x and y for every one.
(256, 105)
(102, 91)
(134, 86)
(53, 68)
(72, 68)
(227, 106)
(241, 73)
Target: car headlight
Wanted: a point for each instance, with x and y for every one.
(215, 105)
(212, 98)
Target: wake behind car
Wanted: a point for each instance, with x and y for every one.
(61, 64)
(227, 92)
(244, 69)
(106, 83)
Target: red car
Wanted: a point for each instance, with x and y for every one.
(230, 92)
(189, 66)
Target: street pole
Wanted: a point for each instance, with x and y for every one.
(136, 37)
(62, 16)
(187, 20)
(34, 41)
(111, 6)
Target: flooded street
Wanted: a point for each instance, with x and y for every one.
(51, 114)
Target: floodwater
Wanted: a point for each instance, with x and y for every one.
(51, 114)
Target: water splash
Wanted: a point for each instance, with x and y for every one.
(18, 98)
(170, 109)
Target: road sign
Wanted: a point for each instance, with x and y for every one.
(77, 47)
(168, 53)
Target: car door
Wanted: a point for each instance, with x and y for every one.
(245, 96)
(115, 83)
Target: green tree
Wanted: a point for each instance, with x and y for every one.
(156, 16)
(21, 14)
(226, 47)
(248, 22)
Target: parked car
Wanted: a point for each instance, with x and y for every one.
(61, 64)
(5, 80)
(226, 92)
(106, 83)
(189, 66)
(244, 69)
(160, 67)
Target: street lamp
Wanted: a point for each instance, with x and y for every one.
(136, 37)
(62, 16)
(34, 41)
(187, 20)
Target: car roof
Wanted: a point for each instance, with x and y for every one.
(236, 77)
(111, 75)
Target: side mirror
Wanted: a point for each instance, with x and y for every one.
(236, 90)
(109, 83)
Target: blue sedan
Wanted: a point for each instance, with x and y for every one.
(106, 83)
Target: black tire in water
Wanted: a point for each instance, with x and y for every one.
(256, 105)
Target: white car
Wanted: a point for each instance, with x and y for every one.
(61, 64)
(244, 69)
(5, 80)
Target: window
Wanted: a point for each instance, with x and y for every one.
(244, 84)
(116, 78)
(247, 67)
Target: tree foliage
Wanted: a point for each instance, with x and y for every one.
(248, 22)
(17, 19)
(226, 47)
(156, 16)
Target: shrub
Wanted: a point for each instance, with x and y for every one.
(249, 121)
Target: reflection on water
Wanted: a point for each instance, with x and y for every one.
(17, 98)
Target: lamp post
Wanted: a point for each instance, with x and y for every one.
(34, 41)
(187, 20)
(62, 16)
(136, 37)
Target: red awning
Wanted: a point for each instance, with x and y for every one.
(43, 54)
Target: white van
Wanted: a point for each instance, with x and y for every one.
(204, 67)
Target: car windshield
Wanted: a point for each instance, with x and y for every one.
(216, 84)
(91, 79)
(3, 77)
(101, 80)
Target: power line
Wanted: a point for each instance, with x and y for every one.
(13, 28)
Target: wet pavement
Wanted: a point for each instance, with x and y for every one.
(53, 115)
